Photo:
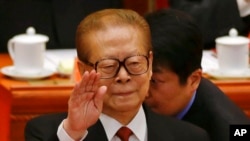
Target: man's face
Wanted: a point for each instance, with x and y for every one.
(125, 91)
(166, 95)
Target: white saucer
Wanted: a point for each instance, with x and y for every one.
(218, 74)
(11, 72)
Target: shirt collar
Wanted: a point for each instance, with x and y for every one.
(137, 125)
(184, 111)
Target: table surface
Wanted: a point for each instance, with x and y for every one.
(230, 87)
(54, 86)
(20, 100)
(57, 81)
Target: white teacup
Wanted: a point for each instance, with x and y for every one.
(233, 53)
(27, 51)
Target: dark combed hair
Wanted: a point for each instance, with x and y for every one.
(177, 42)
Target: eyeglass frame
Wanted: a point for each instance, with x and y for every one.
(121, 63)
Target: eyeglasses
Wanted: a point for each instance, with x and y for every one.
(109, 68)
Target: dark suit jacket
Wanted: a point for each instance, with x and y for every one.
(215, 17)
(160, 128)
(213, 111)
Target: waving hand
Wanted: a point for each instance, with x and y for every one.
(85, 105)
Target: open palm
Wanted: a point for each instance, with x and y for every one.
(86, 102)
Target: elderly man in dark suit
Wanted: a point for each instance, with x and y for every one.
(115, 59)
(177, 87)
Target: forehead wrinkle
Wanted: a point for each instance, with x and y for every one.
(116, 36)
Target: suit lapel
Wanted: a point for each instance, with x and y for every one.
(96, 133)
(157, 127)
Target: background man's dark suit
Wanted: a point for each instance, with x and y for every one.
(160, 128)
(213, 111)
(57, 19)
(215, 17)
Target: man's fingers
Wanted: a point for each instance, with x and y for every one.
(98, 100)
(90, 82)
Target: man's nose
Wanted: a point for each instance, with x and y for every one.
(123, 75)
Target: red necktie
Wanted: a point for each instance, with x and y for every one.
(123, 133)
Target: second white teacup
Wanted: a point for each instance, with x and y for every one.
(233, 53)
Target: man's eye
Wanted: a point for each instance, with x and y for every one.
(108, 68)
(156, 81)
(133, 64)
(153, 81)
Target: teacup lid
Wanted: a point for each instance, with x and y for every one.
(31, 37)
(232, 39)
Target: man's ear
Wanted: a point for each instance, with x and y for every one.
(81, 66)
(150, 57)
(195, 78)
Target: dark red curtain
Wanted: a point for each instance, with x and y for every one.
(161, 4)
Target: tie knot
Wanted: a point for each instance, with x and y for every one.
(123, 133)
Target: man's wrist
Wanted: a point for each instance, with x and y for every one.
(76, 135)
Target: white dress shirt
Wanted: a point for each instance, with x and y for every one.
(138, 126)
